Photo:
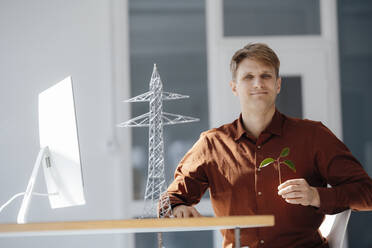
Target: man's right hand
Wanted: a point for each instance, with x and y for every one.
(183, 211)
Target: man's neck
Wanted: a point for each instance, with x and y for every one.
(256, 121)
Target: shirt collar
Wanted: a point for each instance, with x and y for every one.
(275, 126)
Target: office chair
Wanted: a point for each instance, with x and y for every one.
(336, 234)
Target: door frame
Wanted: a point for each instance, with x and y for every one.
(312, 57)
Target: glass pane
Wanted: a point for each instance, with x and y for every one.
(170, 33)
(271, 17)
(176, 239)
(354, 18)
(289, 100)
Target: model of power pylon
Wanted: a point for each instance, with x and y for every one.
(156, 200)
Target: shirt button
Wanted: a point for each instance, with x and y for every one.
(258, 147)
(262, 241)
(259, 193)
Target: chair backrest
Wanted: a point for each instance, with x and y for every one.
(336, 236)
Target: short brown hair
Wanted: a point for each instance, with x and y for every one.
(255, 51)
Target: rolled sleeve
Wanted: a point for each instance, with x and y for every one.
(351, 185)
(190, 180)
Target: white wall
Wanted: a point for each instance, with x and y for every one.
(42, 42)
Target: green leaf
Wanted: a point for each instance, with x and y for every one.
(290, 164)
(266, 162)
(284, 152)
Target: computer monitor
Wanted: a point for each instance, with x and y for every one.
(59, 154)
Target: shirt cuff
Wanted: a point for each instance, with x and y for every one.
(176, 201)
(328, 201)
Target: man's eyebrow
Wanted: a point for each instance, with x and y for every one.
(252, 74)
(247, 74)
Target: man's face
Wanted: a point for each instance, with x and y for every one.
(256, 85)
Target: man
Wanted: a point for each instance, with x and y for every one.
(227, 161)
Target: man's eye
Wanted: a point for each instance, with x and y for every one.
(249, 77)
(266, 76)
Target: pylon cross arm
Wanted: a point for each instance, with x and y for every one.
(171, 119)
(139, 121)
(172, 96)
(146, 97)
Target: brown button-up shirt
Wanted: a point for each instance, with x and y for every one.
(226, 160)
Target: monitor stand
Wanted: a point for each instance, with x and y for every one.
(43, 153)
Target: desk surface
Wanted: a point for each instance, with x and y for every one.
(135, 225)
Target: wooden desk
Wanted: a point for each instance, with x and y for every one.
(135, 225)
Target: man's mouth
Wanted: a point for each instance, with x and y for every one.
(259, 93)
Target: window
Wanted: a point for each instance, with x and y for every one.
(170, 33)
(289, 100)
(271, 17)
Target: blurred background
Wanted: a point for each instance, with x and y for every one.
(109, 48)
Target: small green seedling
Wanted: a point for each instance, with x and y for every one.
(277, 162)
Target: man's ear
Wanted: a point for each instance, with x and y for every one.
(278, 85)
(233, 87)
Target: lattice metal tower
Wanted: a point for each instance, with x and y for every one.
(155, 193)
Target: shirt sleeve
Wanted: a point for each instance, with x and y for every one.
(351, 185)
(190, 179)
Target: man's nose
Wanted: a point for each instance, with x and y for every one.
(258, 83)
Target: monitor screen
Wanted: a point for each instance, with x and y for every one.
(58, 132)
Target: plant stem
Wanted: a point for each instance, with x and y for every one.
(280, 175)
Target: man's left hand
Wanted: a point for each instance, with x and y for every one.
(298, 191)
